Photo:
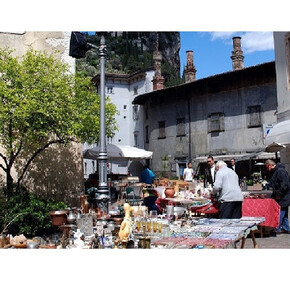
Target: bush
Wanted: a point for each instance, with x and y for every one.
(31, 214)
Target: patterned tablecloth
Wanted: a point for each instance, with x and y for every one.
(209, 233)
(262, 207)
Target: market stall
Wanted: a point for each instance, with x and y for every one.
(175, 226)
(262, 207)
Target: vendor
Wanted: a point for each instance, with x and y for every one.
(150, 195)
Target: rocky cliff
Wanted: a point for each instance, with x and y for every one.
(128, 52)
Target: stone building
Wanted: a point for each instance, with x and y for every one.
(224, 115)
(280, 133)
(57, 171)
(122, 89)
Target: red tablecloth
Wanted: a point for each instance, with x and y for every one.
(262, 207)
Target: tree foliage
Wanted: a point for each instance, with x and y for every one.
(42, 104)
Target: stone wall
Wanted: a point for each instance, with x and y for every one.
(58, 171)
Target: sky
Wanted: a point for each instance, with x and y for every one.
(212, 50)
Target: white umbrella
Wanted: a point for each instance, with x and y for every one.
(279, 134)
(274, 147)
(118, 152)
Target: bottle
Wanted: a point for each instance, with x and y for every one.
(244, 184)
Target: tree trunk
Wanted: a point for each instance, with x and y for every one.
(9, 184)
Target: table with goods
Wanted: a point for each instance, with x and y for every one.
(133, 226)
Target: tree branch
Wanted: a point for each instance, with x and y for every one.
(11, 222)
(4, 159)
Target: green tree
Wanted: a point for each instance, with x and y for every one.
(43, 104)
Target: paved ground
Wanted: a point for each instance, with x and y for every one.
(281, 241)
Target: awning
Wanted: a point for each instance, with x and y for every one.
(238, 157)
(279, 134)
(217, 157)
(118, 152)
(257, 155)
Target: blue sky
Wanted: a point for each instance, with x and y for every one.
(212, 50)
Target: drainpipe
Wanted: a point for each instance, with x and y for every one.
(189, 130)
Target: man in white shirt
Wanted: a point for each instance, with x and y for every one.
(188, 173)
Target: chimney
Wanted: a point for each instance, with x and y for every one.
(189, 70)
(158, 79)
(237, 54)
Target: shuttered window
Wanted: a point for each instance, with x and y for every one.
(216, 122)
(254, 116)
(161, 126)
(147, 134)
(180, 127)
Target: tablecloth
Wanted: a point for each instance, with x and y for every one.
(262, 207)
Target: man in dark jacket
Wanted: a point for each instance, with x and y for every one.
(281, 192)
(209, 173)
(233, 165)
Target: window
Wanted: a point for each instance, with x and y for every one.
(136, 143)
(147, 134)
(180, 127)
(86, 168)
(110, 90)
(135, 112)
(124, 107)
(161, 126)
(216, 122)
(254, 116)
(135, 90)
(93, 166)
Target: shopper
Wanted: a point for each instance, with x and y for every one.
(226, 187)
(188, 173)
(147, 175)
(281, 192)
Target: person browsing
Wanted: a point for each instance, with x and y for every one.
(280, 183)
(147, 175)
(226, 187)
(188, 173)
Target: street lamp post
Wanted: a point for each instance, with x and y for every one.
(102, 158)
(78, 48)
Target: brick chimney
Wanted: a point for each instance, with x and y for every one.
(237, 54)
(158, 79)
(189, 71)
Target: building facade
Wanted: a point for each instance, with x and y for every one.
(223, 115)
(122, 89)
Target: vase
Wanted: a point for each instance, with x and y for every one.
(169, 191)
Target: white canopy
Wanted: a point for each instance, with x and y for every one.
(279, 134)
(118, 152)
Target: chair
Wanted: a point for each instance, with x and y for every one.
(130, 193)
(131, 197)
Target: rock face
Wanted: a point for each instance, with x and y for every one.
(168, 44)
(131, 51)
